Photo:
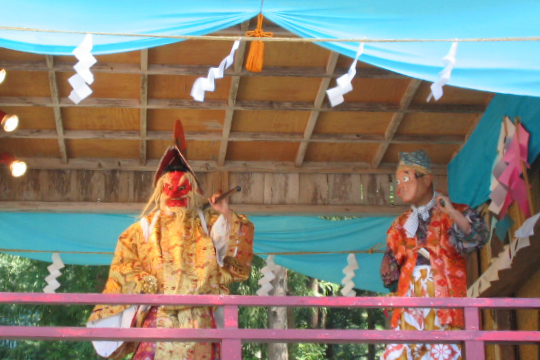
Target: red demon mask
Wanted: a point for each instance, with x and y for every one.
(175, 190)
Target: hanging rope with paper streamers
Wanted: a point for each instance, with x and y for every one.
(449, 61)
(203, 84)
(347, 282)
(344, 86)
(83, 77)
(255, 58)
(54, 273)
(268, 276)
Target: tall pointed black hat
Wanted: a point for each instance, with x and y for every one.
(174, 158)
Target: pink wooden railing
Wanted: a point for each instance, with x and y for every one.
(472, 338)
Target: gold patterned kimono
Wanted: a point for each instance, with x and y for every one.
(182, 258)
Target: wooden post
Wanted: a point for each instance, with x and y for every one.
(231, 349)
(314, 315)
(277, 316)
(371, 326)
(473, 349)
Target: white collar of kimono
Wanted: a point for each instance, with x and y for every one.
(411, 225)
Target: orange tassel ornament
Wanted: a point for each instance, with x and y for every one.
(256, 51)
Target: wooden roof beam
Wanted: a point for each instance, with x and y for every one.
(231, 101)
(144, 103)
(244, 105)
(56, 108)
(408, 96)
(314, 114)
(200, 70)
(212, 166)
(235, 136)
(261, 209)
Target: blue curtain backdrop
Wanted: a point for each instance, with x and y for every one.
(503, 67)
(99, 233)
(469, 173)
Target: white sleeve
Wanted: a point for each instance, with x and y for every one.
(220, 237)
(121, 320)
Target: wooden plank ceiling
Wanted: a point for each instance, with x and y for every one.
(276, 120)
(274, 132)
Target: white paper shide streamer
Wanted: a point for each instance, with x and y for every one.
(347, 282)
(83, 77)
(335, 95)
(203, 84)
(54, 273)
(268, 276)
(449, 62)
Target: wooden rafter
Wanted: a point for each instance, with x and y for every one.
(132, 208)
(144, 101)
(163, 69)
(231, 101)
(317, 104)
(243, 105)
(212, 166)
(56, 108)
(396, 120)
(236, 136)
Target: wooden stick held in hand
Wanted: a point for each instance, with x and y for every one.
(223, 196)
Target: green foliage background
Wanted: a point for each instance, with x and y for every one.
(23, 275)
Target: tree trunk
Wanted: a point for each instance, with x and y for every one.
(277, 316)
(323, 318)
(328, 325)
(371, 326)
(314, 314)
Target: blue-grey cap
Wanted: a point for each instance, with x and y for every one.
(416, 160)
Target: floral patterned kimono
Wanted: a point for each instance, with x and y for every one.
(185, 259)
(442, 275)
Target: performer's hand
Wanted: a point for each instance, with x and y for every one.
(222, 206)
(462, 222)
(443, 203)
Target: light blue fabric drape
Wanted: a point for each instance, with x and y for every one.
(509, 67)
(158, 17)
(504, 67)
(99, 233)
(469, 173)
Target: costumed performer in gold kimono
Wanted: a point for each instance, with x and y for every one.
(175, 249)
(426, 257)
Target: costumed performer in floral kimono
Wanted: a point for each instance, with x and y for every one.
(426, 257)
(175, 249)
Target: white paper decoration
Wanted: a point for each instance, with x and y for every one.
(54, 273)
(203, 84)
(335, 95)
(268, 276)
(449, 61)
(83, 77)
(347, 282)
